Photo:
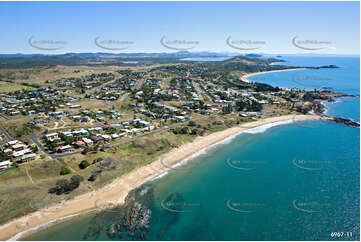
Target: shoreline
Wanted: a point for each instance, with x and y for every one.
(245, 77)
(116, 192)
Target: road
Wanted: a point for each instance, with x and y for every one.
(4, 117)
(123, 141)
(7, 136)
(116, 77)
(124, 98)
(139, 84)
(35, 139)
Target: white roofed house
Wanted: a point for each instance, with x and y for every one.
(17, 154)
(5, 164)
(51, 137)
(106, 137)
(87, 141)
(65, 148)
(12, 142)
(28, 157)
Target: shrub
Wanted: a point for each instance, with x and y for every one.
(64, 171)
(84, 164)
(192, 123)
(97, 160)
(65, 186)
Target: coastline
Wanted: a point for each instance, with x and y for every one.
(246, 76)
(116, 192)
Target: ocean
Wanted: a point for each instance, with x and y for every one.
(292, 181)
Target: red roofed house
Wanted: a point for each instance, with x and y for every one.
(79, 144)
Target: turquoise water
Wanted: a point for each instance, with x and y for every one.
(344, 79)
(287, 182)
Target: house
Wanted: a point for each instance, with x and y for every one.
(179, 118)
(51, 137)
(65, 148)
(18, 147)
(12, 142)
(106, 137)
(7, 151)
(83, 132)
(5, 164)
(79, 144)
(21, 153)
(97, 139)
(205, 111)
(68, 134)
(75, 106)
(135, 130)
(14, 113)
(122, 134)
(87, 141)
(98, 128)
(28, 157)
(76, 133)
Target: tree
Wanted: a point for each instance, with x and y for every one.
(84, 164)
(65, 186)
(85, 150)
(75, 182)
(61, 186)
(64, 171)
(192, 123)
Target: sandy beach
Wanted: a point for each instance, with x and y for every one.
(245, 77)
(116, 192)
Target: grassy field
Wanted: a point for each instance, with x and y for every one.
(18, 127)
(10, 87)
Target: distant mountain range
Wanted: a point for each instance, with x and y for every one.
(179, 54)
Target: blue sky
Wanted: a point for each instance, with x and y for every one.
(273, 24)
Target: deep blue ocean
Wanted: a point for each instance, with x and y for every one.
(285, 182)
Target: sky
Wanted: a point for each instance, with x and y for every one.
(123, 27)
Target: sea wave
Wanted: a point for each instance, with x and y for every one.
(264, 128)
(227, 140)
(21, 234)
